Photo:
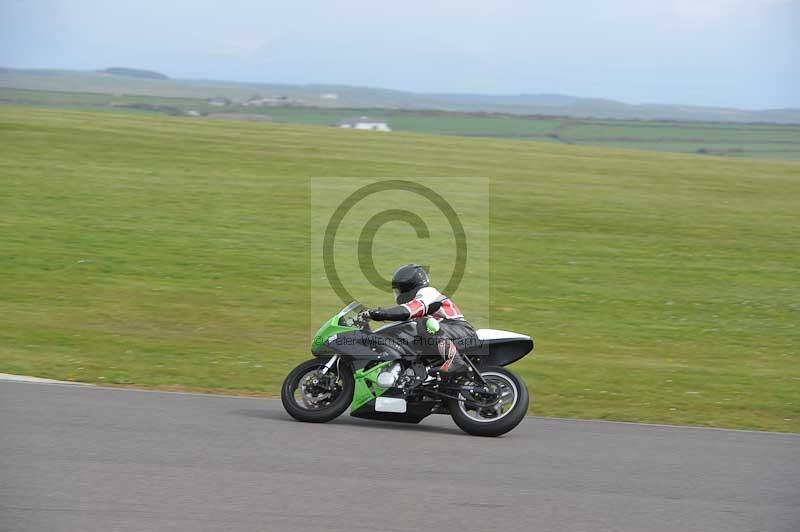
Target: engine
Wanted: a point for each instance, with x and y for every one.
(389, 376)
(395, 377)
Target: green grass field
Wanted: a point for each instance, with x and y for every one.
(174, 252)
(764, 141)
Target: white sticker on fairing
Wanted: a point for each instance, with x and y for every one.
(390, 404)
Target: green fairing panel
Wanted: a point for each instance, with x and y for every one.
(367, 388)
(328, 329)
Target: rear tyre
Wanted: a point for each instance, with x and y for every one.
(308, 396)
(497, 419)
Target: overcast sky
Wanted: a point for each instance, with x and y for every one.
(742, 53)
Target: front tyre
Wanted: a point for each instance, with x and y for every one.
(314, 398)
(501, 416)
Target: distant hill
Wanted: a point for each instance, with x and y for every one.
(133, 73)
(147, 83)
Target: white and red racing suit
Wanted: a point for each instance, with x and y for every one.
(429, 302)
(429, 299)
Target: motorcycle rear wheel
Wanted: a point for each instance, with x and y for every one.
(499, 419)
(305, 401)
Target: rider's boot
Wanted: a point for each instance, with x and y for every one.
(454, 364)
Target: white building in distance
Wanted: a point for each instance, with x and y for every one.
(364, 123)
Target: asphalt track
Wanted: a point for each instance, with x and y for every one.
(95, 459)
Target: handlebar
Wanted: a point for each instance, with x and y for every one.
(361, 320)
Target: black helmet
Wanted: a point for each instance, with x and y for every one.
(406, 280)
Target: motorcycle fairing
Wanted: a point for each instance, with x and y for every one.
(492, 347)
(489, 347)
(367, 389)
(416, 410)
(361, 345)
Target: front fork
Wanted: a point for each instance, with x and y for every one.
(329, 364)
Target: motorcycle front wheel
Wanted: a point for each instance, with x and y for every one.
(498, 418)
(314, 398)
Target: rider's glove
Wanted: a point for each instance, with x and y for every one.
(399, 313)
(377, 314)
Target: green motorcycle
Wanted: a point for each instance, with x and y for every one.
(384, 375)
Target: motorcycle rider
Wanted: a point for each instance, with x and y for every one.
(439, 317)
